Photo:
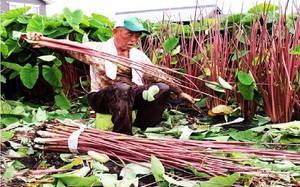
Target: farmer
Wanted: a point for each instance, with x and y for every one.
(118, 90)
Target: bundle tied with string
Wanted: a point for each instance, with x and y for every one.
(181, 155)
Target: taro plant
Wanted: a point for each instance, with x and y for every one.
(44, 72)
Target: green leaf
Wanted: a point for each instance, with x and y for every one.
(103, 19)
(85, 38)
(73, 18)
(69, 60)
(13, 66)
(47, 58)
(29, 75)
(221, 181)
(157, 169)
(224, 84)
(109, 180)
(9, 172)
(296, 51)
(40, 115)
(12, 46)
(263, 7)
(182, 183)
(247, 91)
(14, 13)
(6, 135)
(3, 32)
(62, 102)
(131, 170)
(215, 87)
(52, 75)
(36, 24)
(244, 78)
(4, 49)
(74, 180)
(2, 79)
(170, 44)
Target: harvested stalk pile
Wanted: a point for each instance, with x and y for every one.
(173, 153)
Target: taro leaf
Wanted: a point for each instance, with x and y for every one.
(69, 60)
(296, 51)
(130, 171)
(170, 44)
(244, 136)
(29, 75)
(12, 46)
(9, 120)
(224, 84)
(221, 181)
(47, 58)
(62, 102)
(99, 167)
(247, 91)
(9, 172)
(176, 50)
(180, 183)
(74, 180)
(60, 31)
(73, 18)
(215, 87)
(157, 169)
(222, 109)
(36, 24)
(244, 78)
(109, 180)
(14, 13)
(3, 32)
(40, 115)
(2, 79)
(6, 135)
(52, 75)
(85, 38)
(263, 7)
(4, 49)
(13, 66)
(103, 19)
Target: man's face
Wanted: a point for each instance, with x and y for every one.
(125, 39)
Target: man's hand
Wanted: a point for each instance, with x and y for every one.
(189, 100)
(33, 37)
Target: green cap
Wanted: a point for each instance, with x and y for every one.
(132, 23)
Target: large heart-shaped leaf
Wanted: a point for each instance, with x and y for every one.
(73, 18)
(170, 44)
(29, 75)
(13, 66)
(245, 78)
(62, 102)
(36, 24)
(52, 75)
(247, 91)
(14, 13)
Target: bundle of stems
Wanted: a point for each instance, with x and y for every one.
(173, 153)
(148, 69)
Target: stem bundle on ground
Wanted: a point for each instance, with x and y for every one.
(173, 153)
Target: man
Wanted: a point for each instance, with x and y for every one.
(118, 90)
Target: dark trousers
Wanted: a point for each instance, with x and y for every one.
(121, 99)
